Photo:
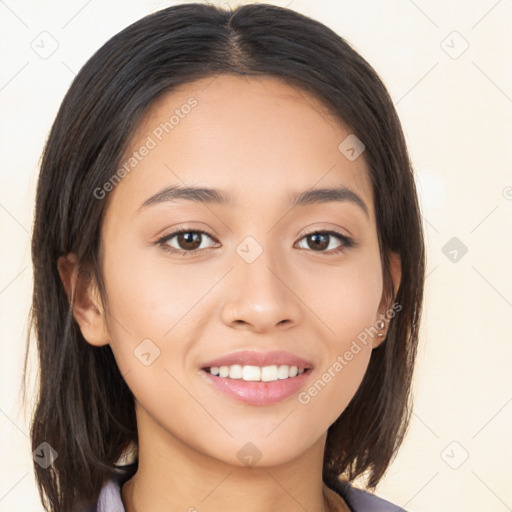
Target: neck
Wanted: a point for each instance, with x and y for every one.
(173, 476)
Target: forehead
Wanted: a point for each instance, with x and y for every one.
(256, 137)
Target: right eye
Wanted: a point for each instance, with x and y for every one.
(188, 240)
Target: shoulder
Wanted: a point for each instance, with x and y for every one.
(362, 501)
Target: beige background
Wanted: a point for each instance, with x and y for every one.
(455, 105)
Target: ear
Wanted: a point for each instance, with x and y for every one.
(85, 301)
(395, 269)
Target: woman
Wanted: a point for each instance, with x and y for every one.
(228, 271)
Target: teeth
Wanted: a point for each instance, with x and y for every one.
(251, 373)
(235, 371)
(257, 373)
(269, 373)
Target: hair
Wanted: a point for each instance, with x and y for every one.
(84, 409)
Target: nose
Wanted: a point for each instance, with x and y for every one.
(260, 295)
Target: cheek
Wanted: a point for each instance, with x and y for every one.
(350, 310)
(347, 297)
(334, 385)
(157, 307)
(151, 306)
(150, 296)
(351, 315)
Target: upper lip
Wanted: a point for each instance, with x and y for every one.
(255, 358)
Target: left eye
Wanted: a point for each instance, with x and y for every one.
(190, 242)
(319, 241)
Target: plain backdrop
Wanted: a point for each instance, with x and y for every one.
(447, 67)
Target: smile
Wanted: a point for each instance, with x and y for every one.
(256, 373)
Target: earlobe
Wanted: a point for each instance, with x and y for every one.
(386, 308)
(84, 298)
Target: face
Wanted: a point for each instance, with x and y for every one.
(253, 281)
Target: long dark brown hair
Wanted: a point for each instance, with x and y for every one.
(84, 409)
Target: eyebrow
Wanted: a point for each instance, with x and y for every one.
(215, 196)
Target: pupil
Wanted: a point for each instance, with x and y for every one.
(316, 237)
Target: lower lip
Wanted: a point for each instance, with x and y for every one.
(257, 392)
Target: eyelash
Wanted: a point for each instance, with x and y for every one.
(347, 242)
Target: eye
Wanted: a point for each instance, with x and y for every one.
(189, 241)
(319, 241)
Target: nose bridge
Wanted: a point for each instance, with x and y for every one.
(261, 296)
(259, 266)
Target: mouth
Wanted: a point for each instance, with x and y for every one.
(257, 378)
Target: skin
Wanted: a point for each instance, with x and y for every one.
(256, 138)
